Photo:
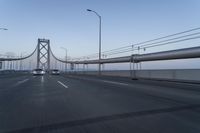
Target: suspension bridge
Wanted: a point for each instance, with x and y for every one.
(81, 99)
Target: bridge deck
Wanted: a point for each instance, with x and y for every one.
(81, 104)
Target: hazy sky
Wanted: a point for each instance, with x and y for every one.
(67, 23)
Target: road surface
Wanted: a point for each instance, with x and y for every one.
(91, 104)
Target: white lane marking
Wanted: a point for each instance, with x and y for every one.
(22, 81)
(42, 79)
(106, 81)
(62, 84)
(112, 82)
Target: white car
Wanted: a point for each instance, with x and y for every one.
(55, 72)
(38, 72)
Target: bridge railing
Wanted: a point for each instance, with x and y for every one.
(129, 56)
(18, 63)
(164, 51)
(166, 55)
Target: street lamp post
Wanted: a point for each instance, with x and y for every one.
(65, 57)
(99, 38)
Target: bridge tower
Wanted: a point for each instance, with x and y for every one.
(43, 54)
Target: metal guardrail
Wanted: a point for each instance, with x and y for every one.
(185, 53)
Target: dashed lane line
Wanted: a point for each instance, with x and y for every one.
(112, 82)
(21, 82)
(63, 84)
(105, 81)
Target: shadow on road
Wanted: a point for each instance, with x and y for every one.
(51, 127)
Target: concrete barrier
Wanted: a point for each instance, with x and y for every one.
(4, 73)
(186, 75)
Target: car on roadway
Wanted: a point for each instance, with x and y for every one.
(55, 72)
(38, 72)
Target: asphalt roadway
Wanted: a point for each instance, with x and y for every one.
(92, 104)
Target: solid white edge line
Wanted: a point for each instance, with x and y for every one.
(62, 84)
(105, 81)
(113, 82)
(22, 81)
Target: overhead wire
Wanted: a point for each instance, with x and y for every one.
(147, 44)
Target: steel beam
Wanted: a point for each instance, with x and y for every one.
(185, 53)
